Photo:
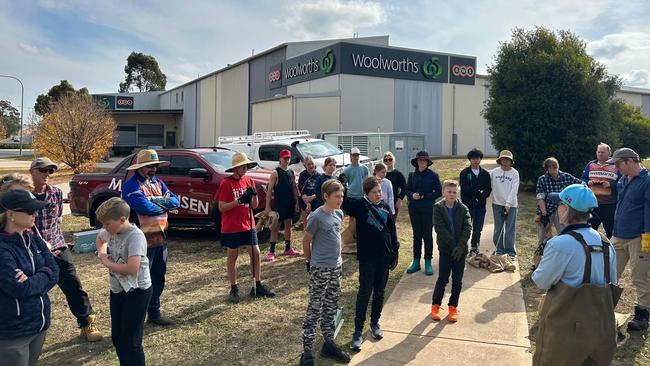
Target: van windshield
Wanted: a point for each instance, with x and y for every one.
(317, 149)
(220, 160)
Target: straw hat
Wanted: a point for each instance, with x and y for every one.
(240, 159)
(147, 157)
(506, 154)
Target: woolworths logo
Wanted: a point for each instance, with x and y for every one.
(431, 68)
(328, 62)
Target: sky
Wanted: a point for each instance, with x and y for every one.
(87, 42)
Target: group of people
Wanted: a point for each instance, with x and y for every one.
(613, 191)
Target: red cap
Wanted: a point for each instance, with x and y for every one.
(285, 154)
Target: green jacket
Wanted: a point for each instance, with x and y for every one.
(462, 225)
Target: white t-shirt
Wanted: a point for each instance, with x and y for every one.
(122, 246)
(505, 186)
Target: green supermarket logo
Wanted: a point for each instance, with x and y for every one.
(328, 62)
(431, 68)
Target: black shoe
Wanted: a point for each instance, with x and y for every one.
(261, 291)
(233, 297)
(640, 321)
(331, 350)
(161, 321)
(473, 252)
(377, 333)
(307, 359)
(356, 341)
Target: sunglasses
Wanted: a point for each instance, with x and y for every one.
(388, 159)
(48, 170)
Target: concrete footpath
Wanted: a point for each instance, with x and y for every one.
(492, 327)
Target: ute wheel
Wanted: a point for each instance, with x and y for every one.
(91, 215)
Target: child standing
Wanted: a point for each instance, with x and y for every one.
(386, 187)
(125, 256)
(377, 252)
(322, 247)
(284, 191)
(451, 220)
(505, 186)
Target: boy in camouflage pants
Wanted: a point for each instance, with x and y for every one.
(322, 248)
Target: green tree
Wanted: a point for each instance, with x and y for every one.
(9, 118)
(44, 101)
(142, 74)
(633, 127)
(548, 97)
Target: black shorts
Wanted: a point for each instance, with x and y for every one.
(286, 210)
(236, 240)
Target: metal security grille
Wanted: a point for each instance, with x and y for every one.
(349, 142)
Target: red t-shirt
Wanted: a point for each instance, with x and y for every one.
(239, 218)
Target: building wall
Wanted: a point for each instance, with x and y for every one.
(317, 114)
(272, 115)
(258, 70)
(631, 98)
(190, 130)
(418, 108)
(208, 111)
(367, 103)
(468, 123)
(233, 105)
(169, 121)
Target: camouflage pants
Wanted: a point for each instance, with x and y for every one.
(324, 291)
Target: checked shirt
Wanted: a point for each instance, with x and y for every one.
(48, 220)
(547, 184)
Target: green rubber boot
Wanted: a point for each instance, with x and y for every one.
(428, 270)
(414, 267)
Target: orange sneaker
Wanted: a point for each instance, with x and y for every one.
(453, 314)
(435, 310)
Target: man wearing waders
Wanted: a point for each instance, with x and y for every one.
(576, 321)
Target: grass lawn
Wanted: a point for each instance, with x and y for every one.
(211, 331)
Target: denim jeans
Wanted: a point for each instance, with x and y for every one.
(157, 268)
(478, 219)
(504, 238)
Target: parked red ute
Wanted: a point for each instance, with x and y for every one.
(194, 175)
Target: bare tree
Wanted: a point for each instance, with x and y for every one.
(76, 132)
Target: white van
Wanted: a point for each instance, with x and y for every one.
(265, 147)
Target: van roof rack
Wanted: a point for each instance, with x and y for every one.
(263, 136)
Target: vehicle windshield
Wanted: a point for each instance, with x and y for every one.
(317, 149)
(220, 160)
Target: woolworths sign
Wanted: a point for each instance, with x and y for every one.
(355, 59)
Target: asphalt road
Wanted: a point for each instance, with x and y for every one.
(15, 152)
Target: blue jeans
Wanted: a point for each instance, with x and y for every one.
(478, 219)
(157, 268)
(504, 242)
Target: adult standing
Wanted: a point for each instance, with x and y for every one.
(27, 272)
(355, 174)
(422, 189)
(553, 181)
(631, 233)
(48, 223)
(150, 200)
(396, 178)
(505, 187)
(601, 177)
(475, 188)
(578, 272)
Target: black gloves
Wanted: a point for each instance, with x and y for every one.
(395, 261)
(343, 179)
(308, 266)
(504, 213)
(544, 220)
(458, 253)
(248, 195)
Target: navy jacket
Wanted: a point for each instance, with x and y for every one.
(376, 240)
(425, 183)
(25, 307)
(632, 216)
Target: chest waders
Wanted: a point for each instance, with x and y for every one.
(577, 325)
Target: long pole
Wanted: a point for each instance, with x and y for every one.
(22, 102)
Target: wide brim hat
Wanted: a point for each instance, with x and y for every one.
(240, 159)
(421, 154)
(506, 154)
(145, 158)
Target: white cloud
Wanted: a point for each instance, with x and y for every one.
(331, 19)
(640, 78)
(28, 48)
(626, 54)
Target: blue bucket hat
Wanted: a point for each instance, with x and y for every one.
(579, 197)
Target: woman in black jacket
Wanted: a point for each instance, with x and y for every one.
(396, 178)
(27, 272)
(377, 252)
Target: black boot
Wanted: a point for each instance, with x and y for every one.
(640, 321)
(331, 350)
(307, 359)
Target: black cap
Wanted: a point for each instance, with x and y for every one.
(20, 200)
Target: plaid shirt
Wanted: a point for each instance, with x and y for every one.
(48, 220)
(547, 184)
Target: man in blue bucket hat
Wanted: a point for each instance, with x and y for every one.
(576, 320)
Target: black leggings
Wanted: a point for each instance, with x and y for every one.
(128, 310)
(422, 224)
(373, 276)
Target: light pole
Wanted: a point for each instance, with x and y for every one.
(22, 98)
